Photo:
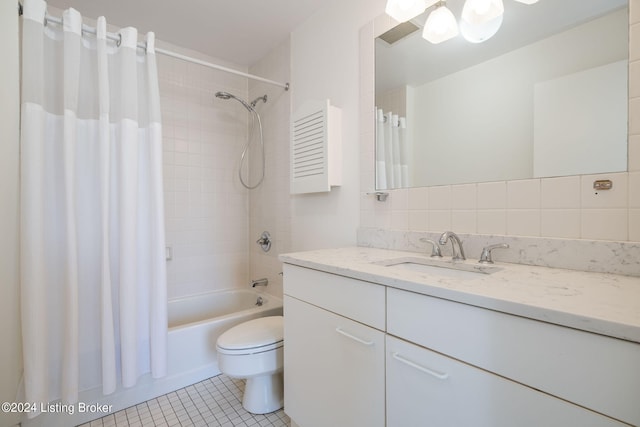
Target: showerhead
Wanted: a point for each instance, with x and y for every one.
(227, 95)
(223, 95)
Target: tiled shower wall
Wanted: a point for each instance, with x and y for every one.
(270, 202)
(565, 207)
(206, 209)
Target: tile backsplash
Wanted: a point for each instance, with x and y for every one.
(565, 207)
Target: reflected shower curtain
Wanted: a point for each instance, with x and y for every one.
(392, 158)
(93, 273)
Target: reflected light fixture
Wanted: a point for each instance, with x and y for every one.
(476, 12)
(477, 33)
(403, 10)
(441, 25)
(481, 19)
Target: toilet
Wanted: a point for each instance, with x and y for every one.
(253, 351)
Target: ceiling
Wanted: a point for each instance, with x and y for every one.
(239, 31)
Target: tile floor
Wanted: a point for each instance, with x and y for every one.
(216, 401)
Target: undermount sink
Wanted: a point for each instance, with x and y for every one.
(458, 270)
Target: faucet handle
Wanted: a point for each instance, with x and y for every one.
(485, 257)
(435, 249)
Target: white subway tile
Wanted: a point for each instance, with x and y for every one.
(560, 193)
(561, 223)
(417, 198)
(492, 195)
(464, 197)
(492, 221)
(439, 197)
(634, 190)
(634, 225)
(604, 224)
(464, 221)
(523, 194)
(439, 220)
(523, 222)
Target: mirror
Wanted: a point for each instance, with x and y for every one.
(546, 96)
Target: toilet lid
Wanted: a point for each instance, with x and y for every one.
(261, 332)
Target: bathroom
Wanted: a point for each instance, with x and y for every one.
(215, 249)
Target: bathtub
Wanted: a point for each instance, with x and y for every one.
(195, 323)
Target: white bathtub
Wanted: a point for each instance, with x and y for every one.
(195, 323)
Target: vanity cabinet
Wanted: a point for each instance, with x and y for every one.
(590, 370)
(334, 365)
(428, 388)
(362, 354)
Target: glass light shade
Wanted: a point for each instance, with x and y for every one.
(481, 11)
(478, 33)
(528, 1)
(403, 10)
(440, 26)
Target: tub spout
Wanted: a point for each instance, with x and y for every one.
(260, 282)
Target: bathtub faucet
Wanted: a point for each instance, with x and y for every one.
(260, 282)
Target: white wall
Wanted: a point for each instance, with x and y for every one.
(324, 64)
(10, 349)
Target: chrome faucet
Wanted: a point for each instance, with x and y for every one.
(457, 255)
(260, 282)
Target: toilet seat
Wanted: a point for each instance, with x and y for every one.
(255, 336)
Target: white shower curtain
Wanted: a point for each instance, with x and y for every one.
(93, 273)
(392, 158)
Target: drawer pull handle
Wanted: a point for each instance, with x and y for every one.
(348, 335)
(438, 375)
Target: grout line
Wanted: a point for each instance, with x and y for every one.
(214, 401)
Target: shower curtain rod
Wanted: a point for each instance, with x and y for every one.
(141, 45)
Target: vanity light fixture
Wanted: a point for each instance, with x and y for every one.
(477, 12)
(481, 31)
(403, 10)
(480, 20)
(441, 25)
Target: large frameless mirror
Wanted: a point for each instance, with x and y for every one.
(545, 96)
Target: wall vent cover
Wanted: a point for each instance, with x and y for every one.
(315, 148)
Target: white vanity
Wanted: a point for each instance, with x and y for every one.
(370, 342)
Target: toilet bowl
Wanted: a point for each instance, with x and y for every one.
(253, 351)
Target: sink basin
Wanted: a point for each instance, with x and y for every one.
(458, 270)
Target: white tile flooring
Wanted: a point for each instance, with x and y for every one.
(216, 401)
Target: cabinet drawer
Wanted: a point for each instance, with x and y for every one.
(427, 388)
(355, 299)
(591, 370)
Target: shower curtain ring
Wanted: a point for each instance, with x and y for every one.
(119, 42)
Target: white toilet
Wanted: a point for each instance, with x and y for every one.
(254, 351)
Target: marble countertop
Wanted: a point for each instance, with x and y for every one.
(606, 304)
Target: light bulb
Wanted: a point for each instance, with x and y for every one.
(478, 33)
(440, 26)
(403, 10)
(481, 11)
